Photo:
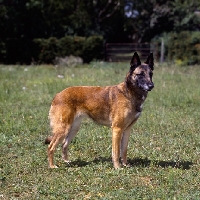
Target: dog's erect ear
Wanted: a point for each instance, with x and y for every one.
(150, 61)
(135, 61)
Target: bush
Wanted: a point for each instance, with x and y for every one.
(66, 46)
(70, 45)
(87, 48)
(47, 49)
(93, 48)
(184, 48)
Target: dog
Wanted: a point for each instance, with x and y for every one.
(117, 106)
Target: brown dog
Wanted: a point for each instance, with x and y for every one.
(117, 106)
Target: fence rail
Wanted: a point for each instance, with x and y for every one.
(121, 52)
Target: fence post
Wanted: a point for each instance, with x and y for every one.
(162, 51)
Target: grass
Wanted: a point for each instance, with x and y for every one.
(164, 147)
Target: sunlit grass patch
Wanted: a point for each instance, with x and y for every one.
(164, 147)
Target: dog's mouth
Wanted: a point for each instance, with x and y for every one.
(146, 88)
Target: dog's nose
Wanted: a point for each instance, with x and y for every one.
(151, 86)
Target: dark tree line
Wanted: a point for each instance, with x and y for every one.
(21, 21)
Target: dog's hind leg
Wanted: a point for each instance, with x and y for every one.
(70, 136)
(61, 127)
(57, 139)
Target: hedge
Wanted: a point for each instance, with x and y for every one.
(89, 49)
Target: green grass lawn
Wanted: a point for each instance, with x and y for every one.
(164, 147)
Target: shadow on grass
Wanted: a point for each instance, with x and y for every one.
(137, 162)
(81, 163)
(164, 164)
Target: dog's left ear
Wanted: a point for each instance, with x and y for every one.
(135, 61)
(150, 61)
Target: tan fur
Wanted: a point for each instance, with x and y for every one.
(117, 106)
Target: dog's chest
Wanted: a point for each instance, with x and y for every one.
(133, 113)
(138, 110)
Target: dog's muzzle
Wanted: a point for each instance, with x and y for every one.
(147, 87)
(150, 86)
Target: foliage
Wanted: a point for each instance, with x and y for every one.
(150, 17)
(184, 48)
(55, 18)
(23, 21)
(47, 49)
(87, 48)
(184, 15)
(93, 48)
(163, 150)
(156, 17)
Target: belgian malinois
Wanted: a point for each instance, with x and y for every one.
(117, 106)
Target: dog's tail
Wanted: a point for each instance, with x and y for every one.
(48, 140)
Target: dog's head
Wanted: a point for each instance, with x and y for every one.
(140, 75)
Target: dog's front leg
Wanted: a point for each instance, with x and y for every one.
(124, 145)
(116, 141)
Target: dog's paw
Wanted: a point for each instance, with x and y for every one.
(68, 162)
(53, 167)
(117, 166)
(127, 165)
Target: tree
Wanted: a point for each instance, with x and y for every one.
(184, 15)
(116, 20)
(151, 18)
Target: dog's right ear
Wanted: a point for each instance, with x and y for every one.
(135, 61)
(150, 61)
